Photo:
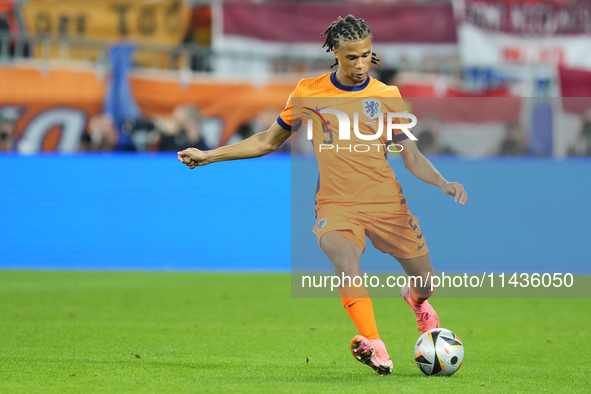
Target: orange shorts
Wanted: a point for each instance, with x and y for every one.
(393, 232)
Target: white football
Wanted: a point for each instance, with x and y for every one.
(439, 352)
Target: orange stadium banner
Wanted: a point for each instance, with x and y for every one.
(145, 21)
(53, 109)
(235, 104)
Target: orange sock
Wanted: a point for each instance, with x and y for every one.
(419, 294)
(360, 309)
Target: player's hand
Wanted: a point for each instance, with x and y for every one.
(192, 158)
(457, 190)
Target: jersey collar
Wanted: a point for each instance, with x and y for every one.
(357, 88)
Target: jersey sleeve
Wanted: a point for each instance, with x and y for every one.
(397, 104)
(288, 119)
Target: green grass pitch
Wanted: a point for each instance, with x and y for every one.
(156, 332)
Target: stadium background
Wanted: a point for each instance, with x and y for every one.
(123, 271)
(81, 195)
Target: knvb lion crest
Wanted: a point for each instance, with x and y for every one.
(371, 107)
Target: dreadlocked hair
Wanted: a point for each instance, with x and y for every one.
(348, 29)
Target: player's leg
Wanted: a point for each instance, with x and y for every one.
(399, 235)
(342, 252)
(421, 270)
(345, 254)
(418, 290)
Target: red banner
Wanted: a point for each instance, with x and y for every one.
(304, 21)
(575, 87)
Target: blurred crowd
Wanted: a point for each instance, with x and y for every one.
(186, 127)
(7, 133)
(178, 131)
(582, 145)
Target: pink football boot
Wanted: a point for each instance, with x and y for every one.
(426, 316)
(372, 352)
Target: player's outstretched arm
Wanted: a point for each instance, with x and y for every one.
(423, 169)
(256, 146)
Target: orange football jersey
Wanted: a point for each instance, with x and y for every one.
(353, 169)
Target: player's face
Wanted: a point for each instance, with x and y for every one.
(354, 60)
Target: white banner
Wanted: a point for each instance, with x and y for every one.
(480, 47)
(500, 32)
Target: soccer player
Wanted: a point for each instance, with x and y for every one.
(358, 192)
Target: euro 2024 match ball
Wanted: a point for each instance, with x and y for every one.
(439, 352)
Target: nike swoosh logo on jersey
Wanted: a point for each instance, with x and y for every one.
(421, 247)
